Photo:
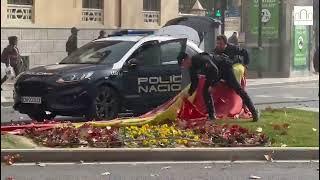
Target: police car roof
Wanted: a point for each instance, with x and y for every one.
(121, 38)
(137, 38)
(146, 39)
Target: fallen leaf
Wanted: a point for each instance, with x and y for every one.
(314, 129)
(41, 164)
(254, 177)
(154, 175)
(283, 145)
(166, 167)
(105, 173)
(208, 167)
(259, 129)
(268, 157)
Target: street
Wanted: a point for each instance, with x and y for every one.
(164, 170)
(303, 96)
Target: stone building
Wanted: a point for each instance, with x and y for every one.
(43, 26)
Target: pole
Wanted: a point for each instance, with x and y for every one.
(260, 25)
(259, 68)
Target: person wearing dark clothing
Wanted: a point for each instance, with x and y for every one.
(233, 39)
(102, 34)
(215, 68)
(316, 60)
(11, 56)
(202, 64)
(222, 47)
(72, 43)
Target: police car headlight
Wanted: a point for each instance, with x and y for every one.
(74, 77)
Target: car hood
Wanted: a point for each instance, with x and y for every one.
(59, 69)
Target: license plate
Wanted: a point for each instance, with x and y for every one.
(30, 100)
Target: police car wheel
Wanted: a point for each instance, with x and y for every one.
(107, 103)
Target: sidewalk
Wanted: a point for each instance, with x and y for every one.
(7, 95)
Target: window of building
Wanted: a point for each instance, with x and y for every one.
(151, 5)
(20, 2)
(151, 11)
(92, 11)
(92, 4)
(20, 10)
(185, 6)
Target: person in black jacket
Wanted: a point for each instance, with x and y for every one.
(72, 43)
(215, 68)
(222, 47)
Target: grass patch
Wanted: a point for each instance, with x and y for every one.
(290, 127)
(9, 141)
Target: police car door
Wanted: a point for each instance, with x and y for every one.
(171, 77)
(141, 80)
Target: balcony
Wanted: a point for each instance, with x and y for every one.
(21, 13)
(151, 16)
(92, 15)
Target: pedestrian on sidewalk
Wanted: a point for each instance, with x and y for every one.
(234, 39)
(102, 34)
(72, 43)
(11, 58)
(316, 60)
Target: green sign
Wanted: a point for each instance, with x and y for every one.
(300, 46)
(270, 18)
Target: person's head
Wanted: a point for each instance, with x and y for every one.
(102, 33)
(13, 40)
(74, 31)
(221, 42)
(184, 60)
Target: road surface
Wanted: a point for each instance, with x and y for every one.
(164, 171)
(300, 95)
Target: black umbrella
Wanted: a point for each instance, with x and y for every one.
(201, 24)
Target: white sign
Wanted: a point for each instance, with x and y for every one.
(303, 15)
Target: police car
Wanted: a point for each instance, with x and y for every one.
(126, 73)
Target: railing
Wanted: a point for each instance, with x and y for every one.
(151, 16)
(92, 15)
(19, 12)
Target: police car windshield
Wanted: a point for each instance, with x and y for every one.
(101, 52)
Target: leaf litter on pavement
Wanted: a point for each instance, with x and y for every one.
(254, 177)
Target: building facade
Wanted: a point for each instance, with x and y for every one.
(43, 26)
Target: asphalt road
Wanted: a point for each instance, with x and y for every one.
(300, 95)
(164, 171)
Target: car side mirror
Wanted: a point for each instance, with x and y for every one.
(132, 63)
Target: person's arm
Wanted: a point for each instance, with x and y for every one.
(4, 57)
(194, 80)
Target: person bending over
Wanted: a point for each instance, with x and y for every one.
(215, 68)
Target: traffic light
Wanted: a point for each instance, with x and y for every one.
(219, 12)
(219, 8)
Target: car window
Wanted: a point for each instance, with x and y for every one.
(148, 54)
(170, 52)
(102, 52)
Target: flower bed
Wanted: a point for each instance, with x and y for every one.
(156, 136)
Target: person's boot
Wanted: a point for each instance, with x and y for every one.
(256, 115)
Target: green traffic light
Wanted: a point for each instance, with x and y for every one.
(218, 13)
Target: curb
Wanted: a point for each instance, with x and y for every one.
(162, 154)
(281, 83)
